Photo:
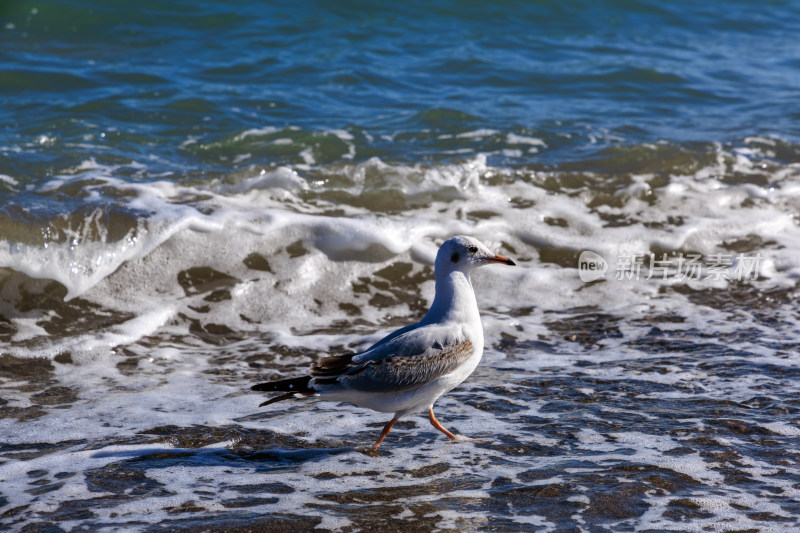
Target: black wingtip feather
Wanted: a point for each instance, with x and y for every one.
(292, 385)
(277, 399)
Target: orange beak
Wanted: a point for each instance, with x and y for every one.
(501, 259)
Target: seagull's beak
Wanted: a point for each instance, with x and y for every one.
(501, 259)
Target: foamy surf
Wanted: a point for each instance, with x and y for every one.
(209, 286)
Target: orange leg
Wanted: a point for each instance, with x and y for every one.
(386, 429)
(438, 426)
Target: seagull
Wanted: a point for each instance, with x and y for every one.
(409, 369)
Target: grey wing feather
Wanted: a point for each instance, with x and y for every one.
(391, 373)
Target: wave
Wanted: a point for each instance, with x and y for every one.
(691, 200)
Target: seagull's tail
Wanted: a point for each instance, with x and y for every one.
(291, 386)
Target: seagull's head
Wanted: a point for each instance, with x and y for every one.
(464, 253)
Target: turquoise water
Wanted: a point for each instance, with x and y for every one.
(121, 81)
(198, 196)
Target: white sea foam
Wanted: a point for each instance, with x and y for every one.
(513, 138)
(319, 252)
(477, 134)
(256, 132)
(8, 179)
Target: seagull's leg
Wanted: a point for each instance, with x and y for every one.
(386, 429)
(435, 423)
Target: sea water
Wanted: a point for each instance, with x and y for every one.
(200, 196)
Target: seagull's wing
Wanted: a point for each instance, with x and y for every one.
(406, 361)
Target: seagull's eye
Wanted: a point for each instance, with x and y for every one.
(472, 249)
